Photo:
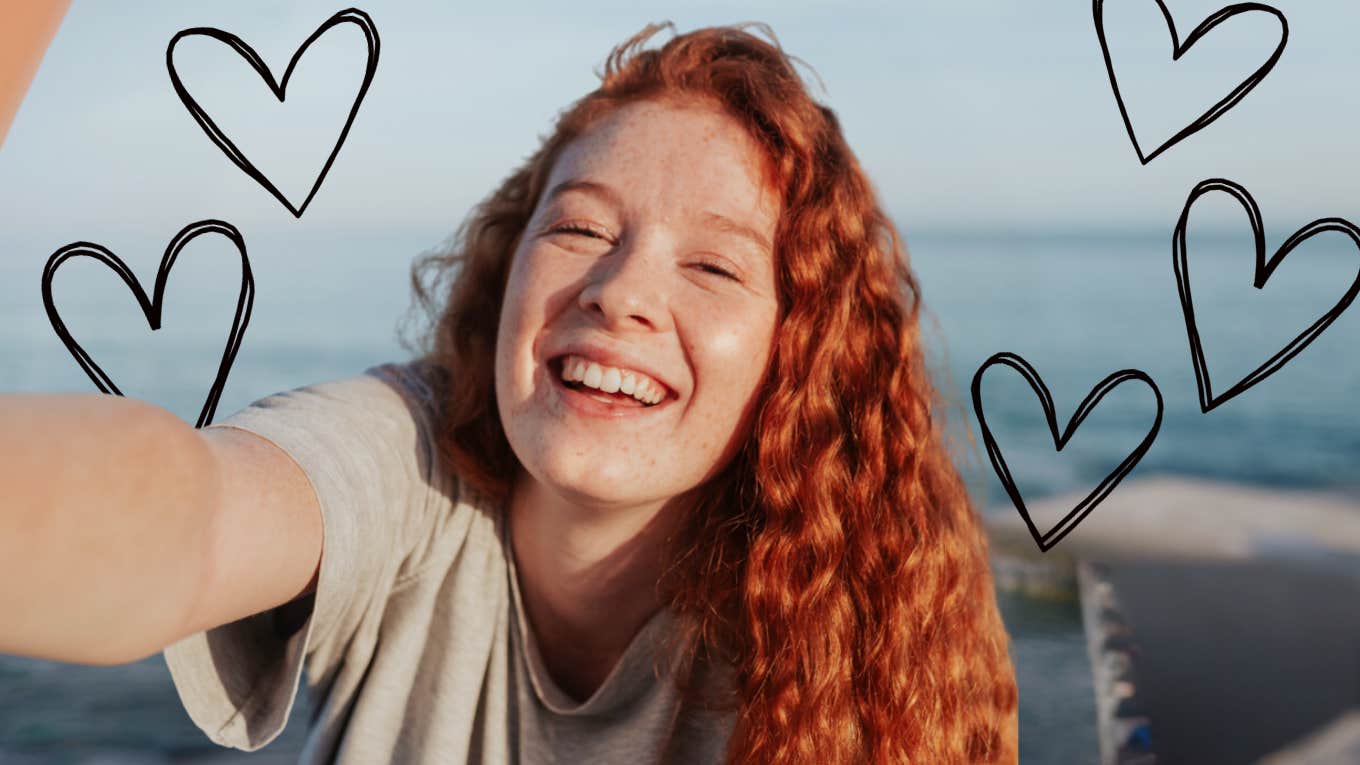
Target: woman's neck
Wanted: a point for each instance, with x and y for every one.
(588, 579)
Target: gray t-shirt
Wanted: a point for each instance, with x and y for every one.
(414, 644)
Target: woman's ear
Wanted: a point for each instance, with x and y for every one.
(27, 30)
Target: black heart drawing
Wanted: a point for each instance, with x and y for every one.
(1046, 540)
(1178, 49)
(152, 308)
(1264, 268)
(347, 16)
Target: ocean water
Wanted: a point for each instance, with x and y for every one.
(1077, 305)
(1081, 306)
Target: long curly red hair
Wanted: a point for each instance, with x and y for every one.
(837, 563)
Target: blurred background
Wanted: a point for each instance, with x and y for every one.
(1206, 612)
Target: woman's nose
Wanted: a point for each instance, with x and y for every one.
(626, 289)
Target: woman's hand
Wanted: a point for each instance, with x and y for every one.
(26, 29)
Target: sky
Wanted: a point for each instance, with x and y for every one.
(991, 115)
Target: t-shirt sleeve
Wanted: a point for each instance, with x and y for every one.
(364, 445)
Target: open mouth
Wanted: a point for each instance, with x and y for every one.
(618, 398)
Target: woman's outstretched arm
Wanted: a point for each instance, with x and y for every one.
(123, 529)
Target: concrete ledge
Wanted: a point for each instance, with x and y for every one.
(1168, 517)
(1338, 741)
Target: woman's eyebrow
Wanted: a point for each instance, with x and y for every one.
(729, 226)
(590, 187)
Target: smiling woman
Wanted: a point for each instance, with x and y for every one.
(699, 224)
(665, 484)
(651, 295)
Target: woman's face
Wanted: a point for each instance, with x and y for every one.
(646, 273)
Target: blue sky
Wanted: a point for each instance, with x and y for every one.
(990, 115)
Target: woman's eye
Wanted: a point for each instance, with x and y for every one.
(576, 228)
(718, 270)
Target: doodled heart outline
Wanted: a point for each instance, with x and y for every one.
(1179, 49)
(279, 89)
(152, 308)
(1046, 540)
(1262, 273)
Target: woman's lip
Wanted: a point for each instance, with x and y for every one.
(584, 404)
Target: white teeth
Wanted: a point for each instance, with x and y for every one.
(573, 369)
(612, 379)
(593, 375)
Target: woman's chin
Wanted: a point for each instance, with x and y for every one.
(586, 484)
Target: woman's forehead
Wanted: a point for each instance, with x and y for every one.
(670, 151)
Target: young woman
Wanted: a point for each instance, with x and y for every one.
(666, 485)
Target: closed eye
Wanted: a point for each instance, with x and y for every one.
(718, 271)
(577, 228)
